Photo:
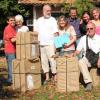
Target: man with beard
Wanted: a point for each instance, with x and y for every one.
(46, 26)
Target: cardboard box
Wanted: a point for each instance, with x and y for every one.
(67, 74)
(32, 50)
(72, 81)
(66, 64)
(20, 82)
(20, 70)
(26, 66)
(26, 37)
(27, 51)
(95, 74)
(61, 82)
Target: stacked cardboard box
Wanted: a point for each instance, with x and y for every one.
(95, 74)
(27, 48)
(27, 45)
(67, 74)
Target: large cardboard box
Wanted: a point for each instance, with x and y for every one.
(68, 82)
(67, 74)
(27, 45)
(26, 37)
(20, 69)
(62, 82)
(95, 74)
(67, 64)
(27, 51)
(72, 81)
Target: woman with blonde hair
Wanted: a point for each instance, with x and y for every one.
(96, 19)
(65, 28)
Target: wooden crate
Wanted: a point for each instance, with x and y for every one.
(95, 74)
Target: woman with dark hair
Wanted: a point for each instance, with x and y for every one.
(84, 20)
(96, 19)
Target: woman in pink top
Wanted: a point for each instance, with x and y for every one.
(96, 19)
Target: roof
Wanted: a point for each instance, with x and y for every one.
(44, 1)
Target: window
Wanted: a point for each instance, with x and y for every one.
(29, 22)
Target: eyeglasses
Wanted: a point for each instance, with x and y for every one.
(90, 29)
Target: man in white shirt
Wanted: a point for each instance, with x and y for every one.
(46, 26)
(94, 45)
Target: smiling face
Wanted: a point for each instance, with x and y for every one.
(11, 21)
(96, 14)
(19, 23)
(73, 13)
(86, 18)
(90, 29)
(46, 11)
(62, 22)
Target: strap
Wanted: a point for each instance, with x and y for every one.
(87, 47)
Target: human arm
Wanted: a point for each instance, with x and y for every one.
(9, 35)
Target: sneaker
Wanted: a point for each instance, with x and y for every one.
(89, 87)
(46, 82)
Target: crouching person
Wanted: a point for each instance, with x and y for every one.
(87, 42)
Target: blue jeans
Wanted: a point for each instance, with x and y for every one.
(9, 58)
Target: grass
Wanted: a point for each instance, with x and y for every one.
(47, 92)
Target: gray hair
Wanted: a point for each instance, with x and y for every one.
(19, 18)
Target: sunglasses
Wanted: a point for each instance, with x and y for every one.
(89, 29)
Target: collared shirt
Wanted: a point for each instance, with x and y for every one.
(9, 33)
(93, 43)
(75, 23)
(46, 27)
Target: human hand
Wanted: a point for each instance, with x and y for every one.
(98, 63)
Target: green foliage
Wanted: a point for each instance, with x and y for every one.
(11, 7)
(80, 4)
(83, 5)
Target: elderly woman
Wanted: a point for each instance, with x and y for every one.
(19, 24)
(65, 28)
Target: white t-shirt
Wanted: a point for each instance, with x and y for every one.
(71, 32)
(22, 29)
(46, 27)
(93, 43)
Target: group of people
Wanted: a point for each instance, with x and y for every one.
(48, 28)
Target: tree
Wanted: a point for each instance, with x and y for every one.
(10, 7)
(81, 5)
